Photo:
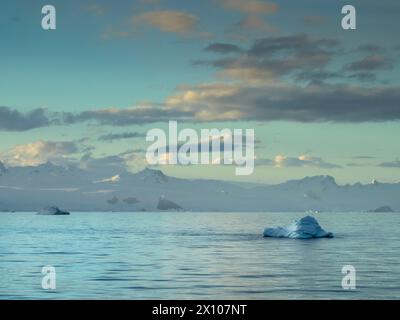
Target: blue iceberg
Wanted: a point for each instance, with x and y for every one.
(305, 228)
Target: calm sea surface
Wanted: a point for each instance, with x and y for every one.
(196, 256)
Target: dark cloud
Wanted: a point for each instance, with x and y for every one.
(298, 45)
(363, 76)
(223, 48)
(354, 164)
(275, 57)
(13, 120)
(119, 136)
(369, 48)
(230, 102)
(370, 63)
(304, 57)
(364, 157)
(280, 102)
(318, 76)
(314, 103)
(393, 164)
(207, 145)
(124, 117)
(331, 103)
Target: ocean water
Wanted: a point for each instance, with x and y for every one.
(196, 256)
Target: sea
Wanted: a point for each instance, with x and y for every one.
(204, 255)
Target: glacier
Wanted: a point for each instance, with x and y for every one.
(305, 228)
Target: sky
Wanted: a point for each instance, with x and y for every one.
(322, 100)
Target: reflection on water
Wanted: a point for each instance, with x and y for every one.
(196, 256)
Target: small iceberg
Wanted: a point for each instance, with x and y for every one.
(305, 228)
(53, 211)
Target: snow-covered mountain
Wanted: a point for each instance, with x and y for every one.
(115, 189)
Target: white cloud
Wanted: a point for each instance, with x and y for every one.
(281, 161)
(39, 152)
(250, 6)
(168, 21)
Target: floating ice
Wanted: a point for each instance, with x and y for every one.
(305, 228)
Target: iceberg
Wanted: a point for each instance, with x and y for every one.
(53, 211)
(305, 228)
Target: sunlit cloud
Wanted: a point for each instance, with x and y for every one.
(168, 21)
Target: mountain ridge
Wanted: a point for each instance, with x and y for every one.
(94, 189)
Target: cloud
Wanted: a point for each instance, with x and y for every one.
(302, 57)
(369, 48)
(281, 161)
(127, 116)
(113, 164)
(257, 90)
(273, 101)
(370, 63)
(355, 164)
(297, 44)
(364, 157)
(168, 21)
(119, 136)
(313, 103)
(39, 152)
(206, 145)
(13, 120)
(363, 76)
(365, 69)
(253, 22)
(275, 57)
(95, 9)
(393, 164)
(223, 48)
(250, 6)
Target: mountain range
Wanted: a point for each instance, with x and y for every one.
(31, 188)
